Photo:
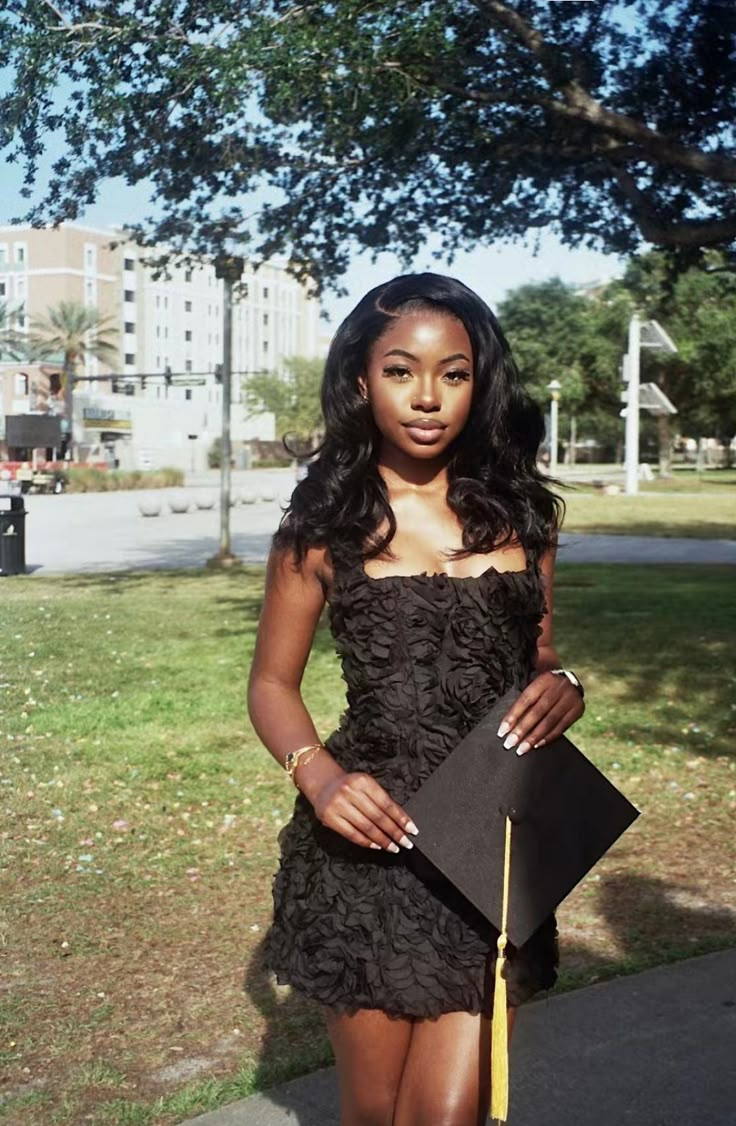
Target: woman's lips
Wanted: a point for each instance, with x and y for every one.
(425, 434)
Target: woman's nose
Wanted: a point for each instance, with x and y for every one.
(426, 396)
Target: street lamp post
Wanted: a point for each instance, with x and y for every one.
(554, 387)
(229, 269)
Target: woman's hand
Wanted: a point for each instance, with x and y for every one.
(546, 708)
(358, 807)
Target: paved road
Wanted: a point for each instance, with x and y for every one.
(653, 1049)
(106, 531)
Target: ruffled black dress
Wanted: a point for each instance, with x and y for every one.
(424, 658)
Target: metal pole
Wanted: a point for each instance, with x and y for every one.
(69, 404)
(229, 270)
(631, 459)
(554, 408)
(227, 376)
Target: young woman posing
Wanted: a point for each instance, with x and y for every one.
(426, 526)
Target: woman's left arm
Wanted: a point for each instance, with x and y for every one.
(550, 703)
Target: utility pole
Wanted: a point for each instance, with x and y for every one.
(229, 270)
(632, 407)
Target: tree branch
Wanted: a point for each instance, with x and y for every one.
(691, 232)
(579, 105)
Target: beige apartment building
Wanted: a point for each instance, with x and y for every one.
(162, 401)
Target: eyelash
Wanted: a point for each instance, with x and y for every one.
(455, 377)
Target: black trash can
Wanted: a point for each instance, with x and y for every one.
(12, 536)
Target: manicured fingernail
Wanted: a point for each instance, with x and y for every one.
(540, 743)
(510, 741)
(411, 828)
(502, 730)
(374, 845)
(523, 748)
(406, 842)
(392, 847)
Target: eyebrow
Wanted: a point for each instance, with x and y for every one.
(409, 356)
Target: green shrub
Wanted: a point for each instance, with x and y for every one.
(90, 479)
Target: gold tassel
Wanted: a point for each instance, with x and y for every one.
(499, 1025)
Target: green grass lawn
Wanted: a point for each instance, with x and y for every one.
(140, 814)
(710, 514)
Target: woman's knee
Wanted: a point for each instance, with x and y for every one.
(374, 1107)
(448, 1111)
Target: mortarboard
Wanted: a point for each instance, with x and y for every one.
(515, 834)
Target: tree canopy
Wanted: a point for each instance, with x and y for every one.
(383, 122)
(294, 398)
(556, 333)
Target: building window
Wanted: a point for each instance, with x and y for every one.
(128, 295)
(158, 330)
(187, 365)
(130, 357)
(158, 301)
(188, 334)
(187, 275)
(3, 254)
(20, 253)
(158, 363)
(21, 384)
(265, 318)
(89, 257)
(187, 393)
(187, 306)
(20, 320)
(166, 302)
(166, 332)
(128, 263)
(3, 290)
(265, 293)
(265, 346)
(130, 326)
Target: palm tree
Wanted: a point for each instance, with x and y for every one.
(72, 332)
(9, 342)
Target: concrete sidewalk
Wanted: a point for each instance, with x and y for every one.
(654, 1049)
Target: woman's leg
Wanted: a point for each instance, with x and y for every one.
(370, 1052)
(446, 1077)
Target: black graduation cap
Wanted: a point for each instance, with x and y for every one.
(564, 815)
(515, 834)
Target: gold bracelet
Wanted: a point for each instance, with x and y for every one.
(293, 758)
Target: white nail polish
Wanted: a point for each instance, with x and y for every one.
(374, 845)
(502, 730)
(510, 741)
(406, 842)
(411, 828)
(522, 748)
(393, 847)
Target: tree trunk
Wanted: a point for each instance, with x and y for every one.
(664, 433)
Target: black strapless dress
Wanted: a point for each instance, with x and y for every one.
(424, 658)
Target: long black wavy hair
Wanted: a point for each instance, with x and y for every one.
(494, 486)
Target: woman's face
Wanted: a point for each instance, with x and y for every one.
(419, 383)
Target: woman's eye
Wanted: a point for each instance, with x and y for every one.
(457, 376)
(397, 372)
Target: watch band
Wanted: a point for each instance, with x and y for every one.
(574, 680)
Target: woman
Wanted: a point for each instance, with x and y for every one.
(426, 526)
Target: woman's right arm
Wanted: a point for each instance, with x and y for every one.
(353, 804)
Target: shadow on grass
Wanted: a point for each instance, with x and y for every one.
(666, 931)
(640, 525)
